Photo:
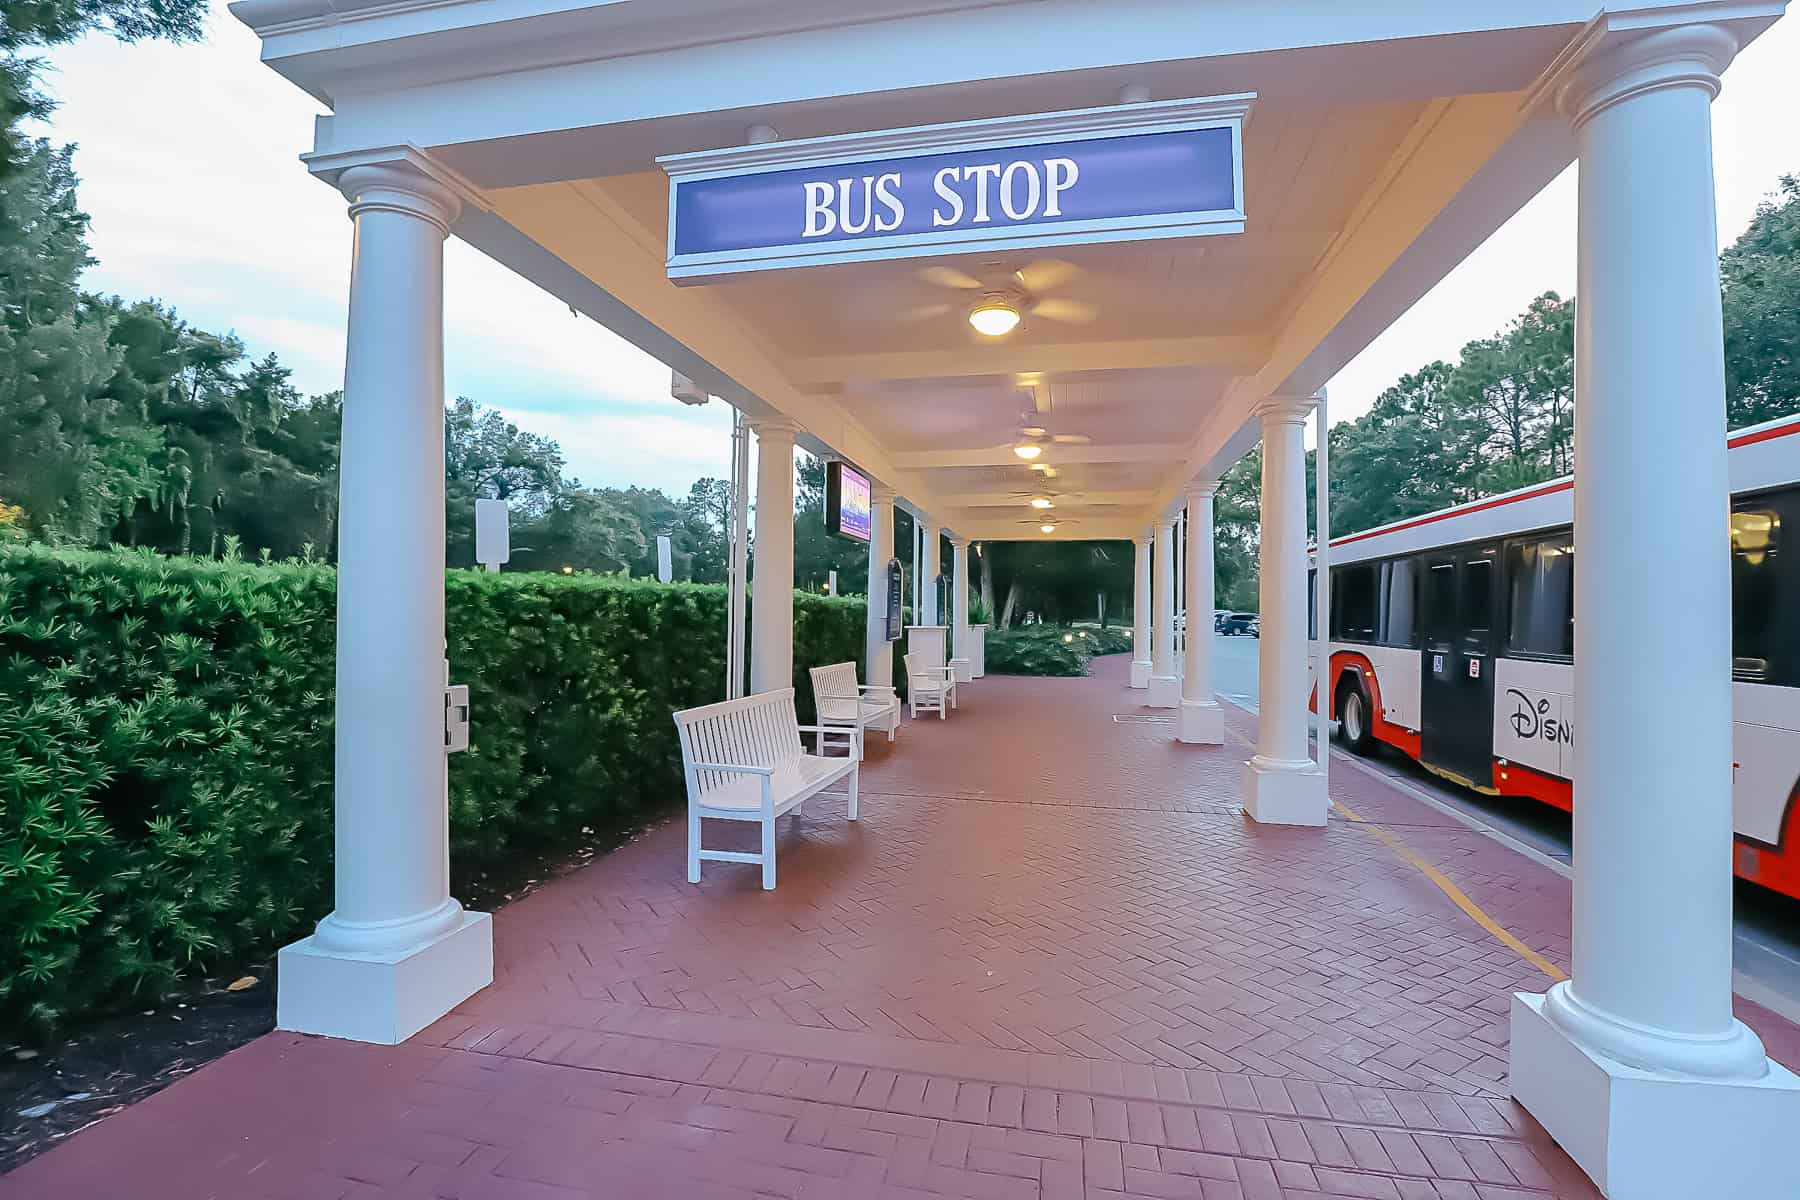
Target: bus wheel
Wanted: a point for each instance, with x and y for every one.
(1354, 727)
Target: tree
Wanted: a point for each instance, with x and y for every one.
(487, 457)
(29, 24)
(706, 521)
(1760, 280)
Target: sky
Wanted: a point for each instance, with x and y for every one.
(189, 161)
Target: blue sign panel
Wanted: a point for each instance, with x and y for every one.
(1119, 174)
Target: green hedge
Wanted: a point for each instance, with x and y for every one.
(166, 748)
(1037, 650)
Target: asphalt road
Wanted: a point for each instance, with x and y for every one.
(1767, 946)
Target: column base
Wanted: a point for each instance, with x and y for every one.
(1165, 691)
(1140, 673)
(1283, 793)
(383, 998)
(965, 670)
(1651, 1135)
(1202, 723)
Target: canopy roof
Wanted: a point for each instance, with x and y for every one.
(1383, 144)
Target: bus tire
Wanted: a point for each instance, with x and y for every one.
(1355, 724)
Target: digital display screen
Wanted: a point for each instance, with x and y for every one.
(847, 502)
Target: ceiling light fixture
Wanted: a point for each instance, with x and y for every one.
(994, 317)
(1041, 502)
(1028, 449)
(1046, 529)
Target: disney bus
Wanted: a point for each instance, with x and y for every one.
(1452, 640)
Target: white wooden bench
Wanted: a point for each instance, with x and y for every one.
(744, 762)
(930, 686)
(840, 700)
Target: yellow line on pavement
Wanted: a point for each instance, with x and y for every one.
(1457, 896)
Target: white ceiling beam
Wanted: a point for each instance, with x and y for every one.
(1081, 530)
(1064, 500)
(1056, 456)
(1243, 352)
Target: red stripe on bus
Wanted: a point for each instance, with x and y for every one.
(1483, 506)
(1763, 435)
(1746, 439)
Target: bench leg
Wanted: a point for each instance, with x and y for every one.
(693, 845)
(768, 854)
(853, 776)
(893, 722)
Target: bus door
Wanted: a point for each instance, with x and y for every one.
(1456, 695)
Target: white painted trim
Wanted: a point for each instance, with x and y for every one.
(1119, 120)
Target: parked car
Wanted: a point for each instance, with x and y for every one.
(1254, 628)
(1236, 623)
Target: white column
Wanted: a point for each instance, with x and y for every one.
(1636, 1064)
(959, 608)
(397, 951)
(1202, 720)
(1165, 686)
(772, 580)
(737, 592)
(1140, 615)
(878, 661)
(1281, 784)
(928, 574)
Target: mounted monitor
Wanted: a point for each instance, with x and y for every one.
(847, 503)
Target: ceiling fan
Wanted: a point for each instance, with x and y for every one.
(1002, 297)
(1033, 434)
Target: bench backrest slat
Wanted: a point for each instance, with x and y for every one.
(836, 680)
(753, 731)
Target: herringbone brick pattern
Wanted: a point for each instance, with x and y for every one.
(1052, 960)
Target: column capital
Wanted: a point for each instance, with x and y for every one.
(1202, 489)
(1595, 76)
(402, 187)
(771, 429)
(881, 493)
(1146, 539)
(958, 543)
(1286, 410)
(1165, 523)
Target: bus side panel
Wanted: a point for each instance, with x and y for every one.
(1765, 782)
(1534, 712)
(1392, 676)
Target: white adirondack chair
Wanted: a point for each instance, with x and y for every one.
(929, 686)
(841, 701)
(744, 762)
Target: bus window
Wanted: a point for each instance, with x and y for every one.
(1755, 566)
(1440, 600)
(1312, 602)
(1478, 596)
(1353, 603)
(1542, 575)
(1402, 602)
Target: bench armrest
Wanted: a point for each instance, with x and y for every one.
(876, 687)
(708, 766)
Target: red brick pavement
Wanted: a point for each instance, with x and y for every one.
(1052, 960)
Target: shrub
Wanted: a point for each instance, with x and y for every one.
(166, 747)
(1111, 640)
(1037, 650)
